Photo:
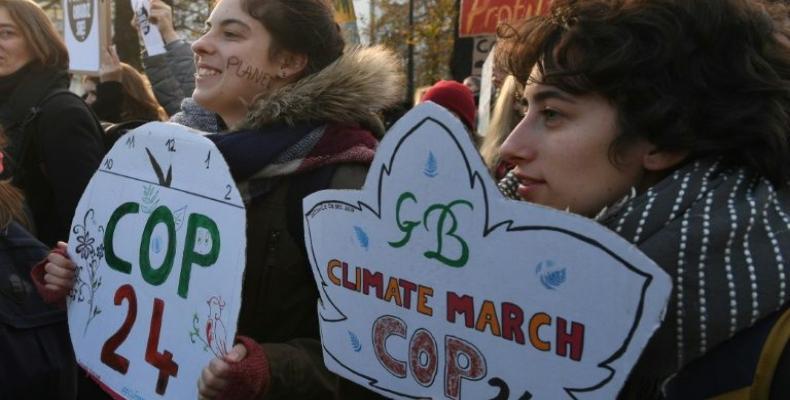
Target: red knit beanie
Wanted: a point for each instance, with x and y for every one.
(455, 97)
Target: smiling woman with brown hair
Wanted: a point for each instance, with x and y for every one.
(302, 115)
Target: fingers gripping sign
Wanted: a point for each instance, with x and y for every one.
(154, 39)
(218, 374)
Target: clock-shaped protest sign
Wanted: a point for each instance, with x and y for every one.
(159, 243)
(433, 285)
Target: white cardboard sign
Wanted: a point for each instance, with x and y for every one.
(433, 285)
(81, 26)
(159, 243)
(154, 44)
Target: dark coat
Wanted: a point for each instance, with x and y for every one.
(56, 153)
(109, 101)
(279, 299)
(37, 359)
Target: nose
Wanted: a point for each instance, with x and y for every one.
(203, 45)
(519, 147)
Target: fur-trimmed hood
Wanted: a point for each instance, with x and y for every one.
(351, 90)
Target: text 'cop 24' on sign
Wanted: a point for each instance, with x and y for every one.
(158, 239)
(434, 285)
(480, 17)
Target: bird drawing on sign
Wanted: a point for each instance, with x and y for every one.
(215, 328)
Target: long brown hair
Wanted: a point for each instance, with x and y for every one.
(138, 97)
(12, 203)
(39, 33)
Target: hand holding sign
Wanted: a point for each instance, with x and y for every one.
(162, 17)
(154, 42)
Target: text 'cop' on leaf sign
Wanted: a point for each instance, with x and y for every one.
(159, 240)
(434, 285)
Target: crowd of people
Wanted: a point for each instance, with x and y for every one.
(666, 121)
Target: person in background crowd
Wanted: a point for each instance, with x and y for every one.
(457, 98)
(666, 121)
(505, 116)
(172, 74)
(473, 83)
(37, 358)
(302, 113)
(89, 84)
(55, 142)
(123, 94)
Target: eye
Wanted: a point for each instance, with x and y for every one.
(5, 33)
(231, 35)
(550, 114)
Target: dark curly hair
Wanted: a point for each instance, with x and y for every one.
(300, 26)
(708, 77)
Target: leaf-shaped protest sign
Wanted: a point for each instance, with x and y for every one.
(456, 292)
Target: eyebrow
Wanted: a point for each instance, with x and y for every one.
(8, 26)
(233, 21)
(546, 94)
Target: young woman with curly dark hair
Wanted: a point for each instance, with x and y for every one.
(669, 122)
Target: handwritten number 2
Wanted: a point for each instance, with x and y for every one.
(227, 194)
(108, 355)
(161, 361)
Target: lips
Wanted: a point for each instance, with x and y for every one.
(204, 71)
(528, 184)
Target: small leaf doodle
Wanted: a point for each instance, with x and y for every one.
(150, 199)
(354, 342)
(362, 237)
(179, 215)
(550, 278)
(431, 166)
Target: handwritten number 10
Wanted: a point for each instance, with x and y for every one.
(161, 361)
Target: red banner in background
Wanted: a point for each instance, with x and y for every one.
(480, 17)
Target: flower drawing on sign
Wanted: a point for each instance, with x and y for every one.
(550, 277)
(87, 281)
(212, 333)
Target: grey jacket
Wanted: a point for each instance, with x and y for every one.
(172, 74)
